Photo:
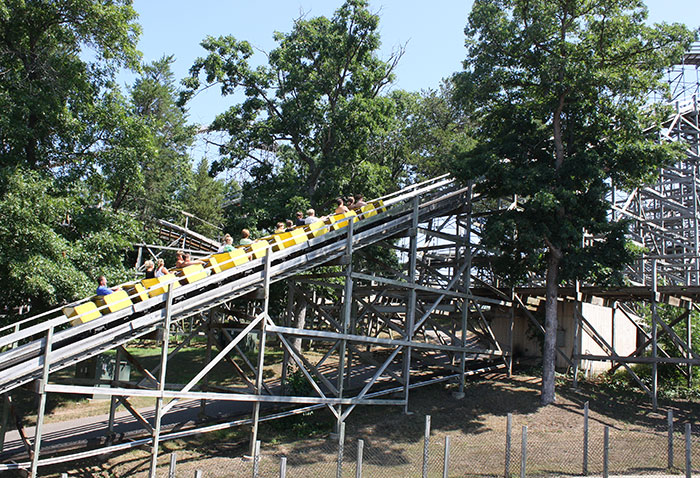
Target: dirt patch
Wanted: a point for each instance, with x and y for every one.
(476, 425)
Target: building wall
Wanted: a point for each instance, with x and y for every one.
(612, 325)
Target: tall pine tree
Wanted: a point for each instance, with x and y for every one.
(560, 88)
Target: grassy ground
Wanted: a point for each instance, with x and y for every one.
(181, 368)
(476, 425)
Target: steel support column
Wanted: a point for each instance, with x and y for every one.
(3, 421)
(42, 403)
(654, 337)
(576, 350)
(411, 303)
(511, 326)
(113, 401)
(261, 351)
(207, 358)
(688, 340)
(161, 383)
(347, 311)
(466, 282)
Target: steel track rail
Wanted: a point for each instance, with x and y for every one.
(24, 363)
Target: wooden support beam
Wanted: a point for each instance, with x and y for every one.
(602, 343)
(538, 326)
(135, 413)
(137, 365)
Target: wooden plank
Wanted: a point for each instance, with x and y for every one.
(632, 359)
(137, 365)
(135, 413)
(228, 397)
(375, 340)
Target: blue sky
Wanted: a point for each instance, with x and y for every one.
(432, 32)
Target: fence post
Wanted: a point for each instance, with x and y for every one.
(283, 467)
(426, 442)
(509, 425)
(606, 451)
(669, 420)
(585, 438)
(173, 462)
(446, 457)
(341, 447)
(198, 474)
(523, 452)
(256, 458)
(360, 451)
(688, 469)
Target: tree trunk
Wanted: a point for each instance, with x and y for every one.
(551, 325)
(31, 146)
(553, 261)
(312, 182)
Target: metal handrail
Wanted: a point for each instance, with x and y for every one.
(330, 242)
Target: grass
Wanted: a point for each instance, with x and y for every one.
(476, 425)
(182, 367)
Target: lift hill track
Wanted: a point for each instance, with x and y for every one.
(23, 358)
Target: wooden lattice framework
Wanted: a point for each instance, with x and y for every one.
(386, 331)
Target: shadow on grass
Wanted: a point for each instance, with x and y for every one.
(393, 436)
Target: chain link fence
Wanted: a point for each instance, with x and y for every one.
(515, 449)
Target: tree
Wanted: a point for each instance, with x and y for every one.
(559, 89)
(143, 164)
(168, 166)
(54, 245)
(423, 130)
(204, 197)
(318, 99)
(48, 90)
(59, 114)
(127, 146)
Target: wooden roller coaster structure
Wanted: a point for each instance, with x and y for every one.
(379, 331)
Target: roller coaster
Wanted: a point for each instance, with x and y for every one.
(389, 329)
(35, 348)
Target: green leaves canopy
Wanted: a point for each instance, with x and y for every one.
(53, 245)
(318, 99)
(47, 90)
(59, 112)
(560, 90)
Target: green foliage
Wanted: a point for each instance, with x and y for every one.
(425, 129)
(142, 163)
(559, 89)
(166, 169)
(304, 131)
(68, 143)
(48, 90)
(672, 380)
(80, 158)
(297, 383)
(36, 266)
(307, 425)
(672, 377)
(53, 246)
(670, 385)
(118, 170)
(204, 197)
